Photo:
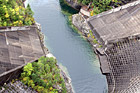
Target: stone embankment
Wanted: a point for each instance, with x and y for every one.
(67, 81)
(80, 22)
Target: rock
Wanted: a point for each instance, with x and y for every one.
(67, 82)
(50, 55)
(79, 21)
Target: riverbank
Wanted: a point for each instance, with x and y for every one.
(85, 34)
(48, 54)
(70, 49)
(67, 10)
(79, 25)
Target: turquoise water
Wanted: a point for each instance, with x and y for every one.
(70, 49)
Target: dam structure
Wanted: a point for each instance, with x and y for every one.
(118, 30)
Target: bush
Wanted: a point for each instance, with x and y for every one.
(99, 6)
(13, 13)
(43, 75)
(95, 41)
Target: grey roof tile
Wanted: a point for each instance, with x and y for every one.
(118, 24)
(18, 48)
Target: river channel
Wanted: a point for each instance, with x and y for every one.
(72, 51)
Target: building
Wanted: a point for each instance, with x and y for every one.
(18, 46)
(118, 30)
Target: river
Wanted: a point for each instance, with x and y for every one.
(71, 50)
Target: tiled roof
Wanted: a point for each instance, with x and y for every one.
(120, 24)
(124, 60)
(122, 31)
(18, 47)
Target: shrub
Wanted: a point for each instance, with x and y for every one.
(95, 41)
(13, 13)
(25, 80)
(43, 75)
(100, 5)
(28, 69)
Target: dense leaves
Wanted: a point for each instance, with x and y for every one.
(13, 13)
(43, 76)
(94, 39)
(99, 6)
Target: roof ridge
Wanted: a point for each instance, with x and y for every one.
(115, 9)
(16, 28)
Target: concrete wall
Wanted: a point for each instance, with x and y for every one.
(87, 13)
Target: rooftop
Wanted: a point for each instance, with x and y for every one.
(116, 23)
(120, 61)
(123, 58)
(18, 46)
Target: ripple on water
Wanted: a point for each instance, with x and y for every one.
(88, 85)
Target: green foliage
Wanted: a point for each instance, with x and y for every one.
(90, 31)
(85, 2)
(43, 75)
(99, 6)
(100, 46)
(25, 80)
(47, 68)
(13, 13)
(28, 69)
(95, 41)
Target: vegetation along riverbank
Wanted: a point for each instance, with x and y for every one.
(68, 11)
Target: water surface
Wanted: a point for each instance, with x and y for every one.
(70, 49)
